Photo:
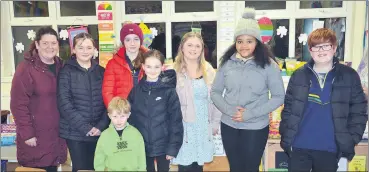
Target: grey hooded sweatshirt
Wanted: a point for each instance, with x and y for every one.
(247, 85)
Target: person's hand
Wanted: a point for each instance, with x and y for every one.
(169, 157)
(239, 114)
(31, 142)
(94, 132)
(215, 131)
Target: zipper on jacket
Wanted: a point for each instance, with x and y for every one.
(339, 154)
(148, 114)
(91, 106)
(317, 77)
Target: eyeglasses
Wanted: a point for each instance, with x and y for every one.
(323, 47)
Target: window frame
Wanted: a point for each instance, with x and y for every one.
(63, 19)
(53, 20)
(293, 12)
(168, 15)
(27, 21)
(344, 8)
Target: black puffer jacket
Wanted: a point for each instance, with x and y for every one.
(156, 113)
(349, 108)
(80, 101)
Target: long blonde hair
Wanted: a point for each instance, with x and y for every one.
(180, 63)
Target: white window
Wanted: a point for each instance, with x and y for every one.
(174, 18)
(25, 16)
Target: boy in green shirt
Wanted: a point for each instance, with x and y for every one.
(121, 146)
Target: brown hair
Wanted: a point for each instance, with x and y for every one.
(154, 53)
(180, 63)
(41, 32)
(120, 105)
(137, 62)
(322, 35)
(83, 36)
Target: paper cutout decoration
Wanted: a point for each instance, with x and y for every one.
(31, 34)
(282, 31)
(266, 29)
(72, 32)
(19, 47)
(96, 54)
(154, 32)
(303, 38)
(147, 35)
(63, 34)
(104, 6)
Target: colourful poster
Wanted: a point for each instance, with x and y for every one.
(104, 58)
(105, 16)
(106, 26)
(105, 11)
(105, 6)
(73, 32)
(106, 37)
(106, 47)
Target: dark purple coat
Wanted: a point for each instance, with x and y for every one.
(34, 106)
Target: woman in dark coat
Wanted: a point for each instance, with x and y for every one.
(34, 105)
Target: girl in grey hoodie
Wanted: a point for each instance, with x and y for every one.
(247, 73)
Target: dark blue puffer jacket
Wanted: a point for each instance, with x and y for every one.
(80, 101)
(156, 113)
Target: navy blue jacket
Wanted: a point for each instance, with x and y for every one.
(80, 101)
(349, 108)
(156, 113)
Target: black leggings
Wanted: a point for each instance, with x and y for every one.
(161, 162)
(244, 148)
(82, 154)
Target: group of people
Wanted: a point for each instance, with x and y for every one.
(134, 114)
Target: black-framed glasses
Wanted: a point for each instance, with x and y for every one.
(322, 47)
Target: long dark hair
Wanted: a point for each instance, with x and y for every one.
(262, 54)
(41, 32)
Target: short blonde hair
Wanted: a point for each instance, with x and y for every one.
(120, 105)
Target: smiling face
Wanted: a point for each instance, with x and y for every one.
(152, 67)
(245, 45)
(47, 46)
(132, 43)
(322, 45)
(323, 53)
(192, 48)
(84, 49)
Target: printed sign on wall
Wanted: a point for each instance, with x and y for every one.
(105, 11)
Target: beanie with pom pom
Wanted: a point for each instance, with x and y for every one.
(248, 25)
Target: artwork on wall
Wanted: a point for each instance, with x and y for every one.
(73, 31)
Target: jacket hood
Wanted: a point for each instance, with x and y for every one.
(167, 79)
(73, 62)
(35, 59)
